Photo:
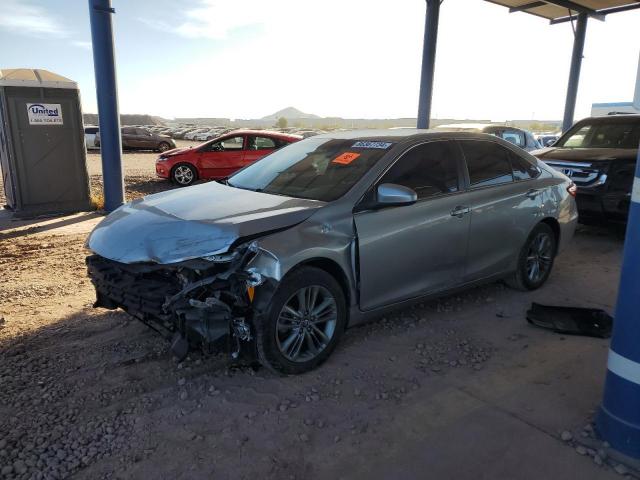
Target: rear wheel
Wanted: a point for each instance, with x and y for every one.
(163, 147)
(535, 260)
(184, 174)
(304, 322)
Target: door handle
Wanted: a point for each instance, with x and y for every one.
(533, 193)
(460, 211)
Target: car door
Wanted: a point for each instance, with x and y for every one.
(129, 137)
(222, 158)
(258, 147)
(410, 250)
(505, 205)
(145, 139)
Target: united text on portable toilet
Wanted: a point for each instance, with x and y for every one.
(42, 152)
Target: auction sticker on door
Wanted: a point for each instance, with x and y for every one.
(44, 113)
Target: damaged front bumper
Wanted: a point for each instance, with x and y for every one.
(207, 302)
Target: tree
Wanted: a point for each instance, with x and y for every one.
(282, 123)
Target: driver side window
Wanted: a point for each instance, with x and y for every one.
(232, 144)
(429, 169)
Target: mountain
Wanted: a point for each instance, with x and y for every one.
(289, 113)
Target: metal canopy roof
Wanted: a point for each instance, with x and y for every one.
(563, 10)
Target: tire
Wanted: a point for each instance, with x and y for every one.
(184, 174)
(535, 260)
(163, 147)
(291, 345)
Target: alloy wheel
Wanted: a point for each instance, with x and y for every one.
(306, 323)
(183, 175)
(539, 257)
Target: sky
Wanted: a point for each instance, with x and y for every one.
(347, 58)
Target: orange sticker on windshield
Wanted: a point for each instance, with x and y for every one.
(346, 158)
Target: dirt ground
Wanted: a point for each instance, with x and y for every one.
(461, 387)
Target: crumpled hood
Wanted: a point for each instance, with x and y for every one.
(192, 222)
(550, 154)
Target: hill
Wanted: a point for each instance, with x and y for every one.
(290, 113)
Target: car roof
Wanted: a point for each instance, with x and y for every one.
(622, 118)
(267, 133)
(401, 134)
(466, 126)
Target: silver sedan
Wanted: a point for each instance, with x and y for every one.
(326, 233)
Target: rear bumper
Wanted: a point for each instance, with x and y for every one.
(602, 206)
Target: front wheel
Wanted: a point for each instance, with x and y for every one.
(535, 260)
(303, 323)
(184, 174)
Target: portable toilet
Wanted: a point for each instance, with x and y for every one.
(42, 151)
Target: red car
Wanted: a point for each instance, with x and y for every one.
(220, 157)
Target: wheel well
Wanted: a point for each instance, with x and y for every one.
(555, 226)
(333, 269)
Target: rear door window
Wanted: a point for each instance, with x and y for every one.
(522, 168)
(487, 162)
(261, 143)
(429, 169)
(129, 131)
(233, 143)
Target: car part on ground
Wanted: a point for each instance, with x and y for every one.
(599, 154)
(221, 260)
(590, 322)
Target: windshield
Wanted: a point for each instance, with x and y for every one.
(602, 135)
(316, 168)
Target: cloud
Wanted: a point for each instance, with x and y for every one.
(82, 44)
(30, 20)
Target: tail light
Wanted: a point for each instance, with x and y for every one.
(572, 189)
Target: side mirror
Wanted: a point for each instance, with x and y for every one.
(391, 194)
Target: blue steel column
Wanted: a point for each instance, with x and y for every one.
(574, 72)
(618, 420)
(428, 62)
(104, 64)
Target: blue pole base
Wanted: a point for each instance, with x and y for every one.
(618, 420)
